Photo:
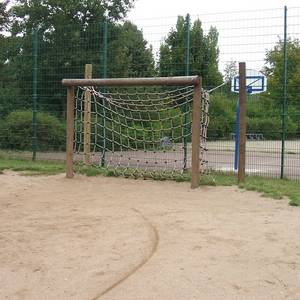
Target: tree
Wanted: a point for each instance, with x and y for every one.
(4, 15)
(274, 69)
(129, 55)
(211, 58)
(69, 35)
(230, 71)
(47, 14)
(198, 50)
(204, 52)
(6, 74)
(172, 51)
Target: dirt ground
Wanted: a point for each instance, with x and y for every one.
(112, 238)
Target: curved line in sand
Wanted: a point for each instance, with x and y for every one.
(155, 242)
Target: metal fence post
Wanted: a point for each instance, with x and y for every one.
(187, 46)
(34, 91)
(104, 75)
(284, 102)
(104, 60)
(187, 73)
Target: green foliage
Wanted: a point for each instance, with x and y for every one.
(274, 70)
(10, 100)
(222, 116)
(15, 73)
(129, 54)
(230, 70)
(16, 132)
(211, 59)
(204, 52)
(261, 117)
(269, 126)
(70, 35)
(4, 15)
(132, 133)
(52, 13)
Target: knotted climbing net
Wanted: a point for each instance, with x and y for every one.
(138, 130)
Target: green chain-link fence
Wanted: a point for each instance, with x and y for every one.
(33, 101)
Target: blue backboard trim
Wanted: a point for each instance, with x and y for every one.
(250, 88)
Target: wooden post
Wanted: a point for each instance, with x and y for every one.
(196, 135)
(70, 132)
(242, 131)
(87, 118)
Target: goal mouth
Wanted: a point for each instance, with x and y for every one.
(143, 127)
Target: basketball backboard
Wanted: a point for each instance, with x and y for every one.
(256, 82)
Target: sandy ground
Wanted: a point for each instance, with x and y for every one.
(112, 238)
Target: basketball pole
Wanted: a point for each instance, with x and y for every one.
(242, 124)
(239, 115)
(247, 82)
(237, 133)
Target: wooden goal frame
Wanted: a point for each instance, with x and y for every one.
(194, 81)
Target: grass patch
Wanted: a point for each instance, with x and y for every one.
(273, 188)
(267, 187)
(222, 178)
(30, 167)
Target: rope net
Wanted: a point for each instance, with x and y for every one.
(142, 130)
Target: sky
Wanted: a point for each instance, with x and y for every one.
(247, 29)
(162, 8)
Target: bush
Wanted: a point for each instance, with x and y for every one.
(269, 127)
(262, 117)
(222, 116)
(16, 132)
(15, 100)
